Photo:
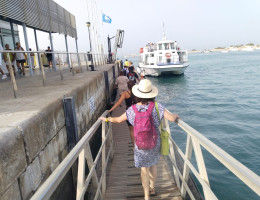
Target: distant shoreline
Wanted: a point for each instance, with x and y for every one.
(241, 48)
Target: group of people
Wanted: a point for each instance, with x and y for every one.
(151, 47)
(139, 98)
(19, 58)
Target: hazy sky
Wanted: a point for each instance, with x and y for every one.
(195, 24)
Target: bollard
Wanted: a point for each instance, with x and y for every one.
(61, 73)
(12, 75)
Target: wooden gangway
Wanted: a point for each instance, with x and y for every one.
(117, 178)
(123, 178)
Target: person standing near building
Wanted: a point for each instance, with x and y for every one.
(1, 71)
(11, 56)
(20, 58)
(49, 57)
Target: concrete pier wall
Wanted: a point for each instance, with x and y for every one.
(33, 146)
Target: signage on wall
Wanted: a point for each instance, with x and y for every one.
(91, 105)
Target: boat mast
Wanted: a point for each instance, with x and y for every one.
(164, 36)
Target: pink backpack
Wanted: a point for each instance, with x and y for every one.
(145, 133)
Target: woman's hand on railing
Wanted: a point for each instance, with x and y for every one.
(103, 119)
(170, 116)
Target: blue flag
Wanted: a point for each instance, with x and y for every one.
(106, 19)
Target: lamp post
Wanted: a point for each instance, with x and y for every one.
(90, 52)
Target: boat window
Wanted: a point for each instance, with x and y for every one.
(160, 46)
(166, 46)
(151, 55)
(172, 46)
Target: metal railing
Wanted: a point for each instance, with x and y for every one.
(71, 60)
(82, 152)
(195, 141)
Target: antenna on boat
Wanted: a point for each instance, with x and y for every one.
(164, 36)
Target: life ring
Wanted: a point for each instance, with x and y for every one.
(168, 55)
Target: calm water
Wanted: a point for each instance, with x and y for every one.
(219, 96)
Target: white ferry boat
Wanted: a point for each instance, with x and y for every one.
(164, 57)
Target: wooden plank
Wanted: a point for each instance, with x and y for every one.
(123, 179)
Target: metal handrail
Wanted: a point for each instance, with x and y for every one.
(82, 152)
(194, 142)
(90, 59)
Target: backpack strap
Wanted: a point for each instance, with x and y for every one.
(156, 106)
(134, 108)
(150, 108)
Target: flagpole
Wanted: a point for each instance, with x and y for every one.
(103, 32)
(95, 25)
(98, 34)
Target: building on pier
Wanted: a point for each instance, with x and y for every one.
(41, 15)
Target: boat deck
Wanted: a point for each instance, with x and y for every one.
(123, 179)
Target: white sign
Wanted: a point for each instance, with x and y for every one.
(91, 105)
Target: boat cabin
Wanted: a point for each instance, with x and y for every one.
(162, 53)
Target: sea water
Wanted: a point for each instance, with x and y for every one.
(219, 96)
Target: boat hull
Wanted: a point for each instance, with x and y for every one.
(155, 70)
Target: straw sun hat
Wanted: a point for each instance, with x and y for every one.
(145, 90)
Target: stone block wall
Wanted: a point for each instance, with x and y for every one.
(31, 150)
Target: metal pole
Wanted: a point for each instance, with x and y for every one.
(67, 50)
(89, 40)
(12, 31)
(86, 61)
(12, 75)
(76, 41)
(53, 55)
(61, 73)
(91, 55)
(27, 49)
(37, 48)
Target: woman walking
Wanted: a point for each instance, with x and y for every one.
(20, 58)
(121, 83)
(127, 97)
(146, 159)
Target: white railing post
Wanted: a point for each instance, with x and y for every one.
(172, 154)
(104, 158)
(12, 74)
(81, 175)
(186, 169)
(201, 165)
(90, 162)
(111, 141)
